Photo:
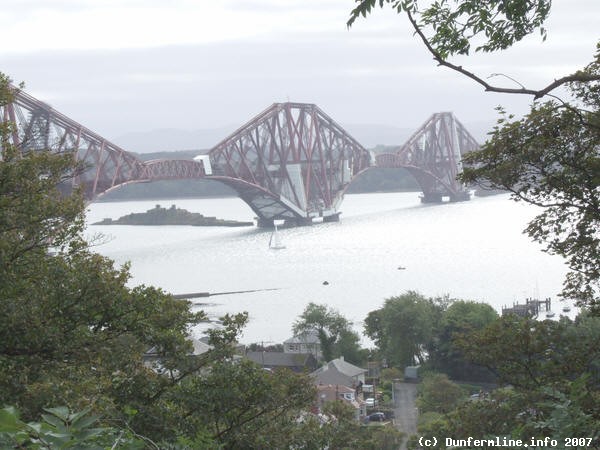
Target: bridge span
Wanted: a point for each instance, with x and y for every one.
(291, 162)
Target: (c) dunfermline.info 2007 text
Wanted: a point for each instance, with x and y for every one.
(578, 442)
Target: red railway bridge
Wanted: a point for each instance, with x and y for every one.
(291, 162)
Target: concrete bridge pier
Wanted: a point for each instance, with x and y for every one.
(332, 218)
(462, 196)
(287, 222)
(438, 197)
(432, 197)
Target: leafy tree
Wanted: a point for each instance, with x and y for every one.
(342, 431)
(548, 158)
(461, 317)
(438, 394)
(335, 332)
(552, 374)
(240, 405)
(553, 370)
(404, 328)
(73, 333)
(61, 429)
(522, 414)
(530, 354)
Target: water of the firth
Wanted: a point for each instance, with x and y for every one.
(472, 250)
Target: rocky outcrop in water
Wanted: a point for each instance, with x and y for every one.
(172, 216)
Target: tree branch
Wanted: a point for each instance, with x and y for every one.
(575, 77)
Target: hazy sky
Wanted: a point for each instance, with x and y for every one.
(118, 66)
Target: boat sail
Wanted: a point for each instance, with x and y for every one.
(275, 241)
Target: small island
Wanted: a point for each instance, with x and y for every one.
(172, 216)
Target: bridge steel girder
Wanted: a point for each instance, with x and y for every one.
(104, 165)
(291, 162)
(433, 155)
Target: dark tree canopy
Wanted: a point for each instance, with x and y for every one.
(404, 328)
(335, 332)
(549, 374)
(551, 158)
(73, 335)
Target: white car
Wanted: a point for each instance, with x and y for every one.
(370, 401)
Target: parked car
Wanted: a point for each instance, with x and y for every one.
(376, 417)
(370, 401)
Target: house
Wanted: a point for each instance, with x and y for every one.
(152, 358)
(332, 392)
(307, 342)
(340, 372)
(296, 362)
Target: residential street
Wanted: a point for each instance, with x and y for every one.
(405, 409)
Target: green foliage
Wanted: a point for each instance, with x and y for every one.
(240, 405)
(404, 327)
(61, 429)
(390, 374)
(530, 354)
(550, 158)
(438, 394)
(72, 332)
(553, 372)
(454, 25)
(560, 413)
(335, 333)
(444, 356)
(568, 413)
(342, 431)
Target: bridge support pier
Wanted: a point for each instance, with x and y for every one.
(332, 218)
(432, 197)
(437, 197)
(461, 196)
(295, 222)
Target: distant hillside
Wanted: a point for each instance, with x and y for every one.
(170, 139)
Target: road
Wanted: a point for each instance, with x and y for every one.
(405, 409)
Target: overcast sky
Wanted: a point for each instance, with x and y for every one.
(120, 66)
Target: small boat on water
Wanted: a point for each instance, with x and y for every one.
(549, 315)
(566, 308)
(275, 241)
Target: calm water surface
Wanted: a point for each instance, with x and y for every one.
(472, 250)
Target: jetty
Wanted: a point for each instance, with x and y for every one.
(531, 308)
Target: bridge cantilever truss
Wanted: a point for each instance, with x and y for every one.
(106, 166)
(291, 162)
(433, 155)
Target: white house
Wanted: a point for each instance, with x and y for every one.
(307, 342)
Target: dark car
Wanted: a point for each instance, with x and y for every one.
(376, 417)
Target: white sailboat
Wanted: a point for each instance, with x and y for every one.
(275, 241)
